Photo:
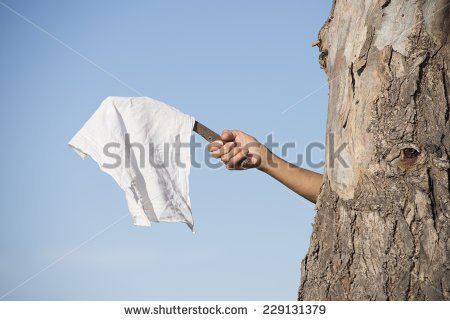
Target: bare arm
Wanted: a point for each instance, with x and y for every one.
(236, 146)
(304, 182)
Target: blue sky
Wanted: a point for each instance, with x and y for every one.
(65, 231)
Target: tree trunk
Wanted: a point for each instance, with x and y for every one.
(381, 231)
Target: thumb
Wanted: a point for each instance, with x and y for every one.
(228, 136)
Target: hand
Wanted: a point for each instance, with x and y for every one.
(239, 151)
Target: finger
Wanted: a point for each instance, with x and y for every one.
(228, 136)
(225, 149)
(215, 145)
(235, 161)
(226, 157)
(216, 153)
(228, 147)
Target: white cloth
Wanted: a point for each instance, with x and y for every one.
(154, 171)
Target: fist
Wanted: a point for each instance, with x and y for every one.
(238, 150)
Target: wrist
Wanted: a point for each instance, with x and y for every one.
(265, 161)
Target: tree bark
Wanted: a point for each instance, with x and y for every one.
(381, 230)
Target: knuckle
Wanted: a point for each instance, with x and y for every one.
(230, 144)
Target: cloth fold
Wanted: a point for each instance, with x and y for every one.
(144, 144)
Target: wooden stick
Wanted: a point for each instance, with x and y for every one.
(205, 132)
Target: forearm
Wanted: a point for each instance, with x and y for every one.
(304, 182)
